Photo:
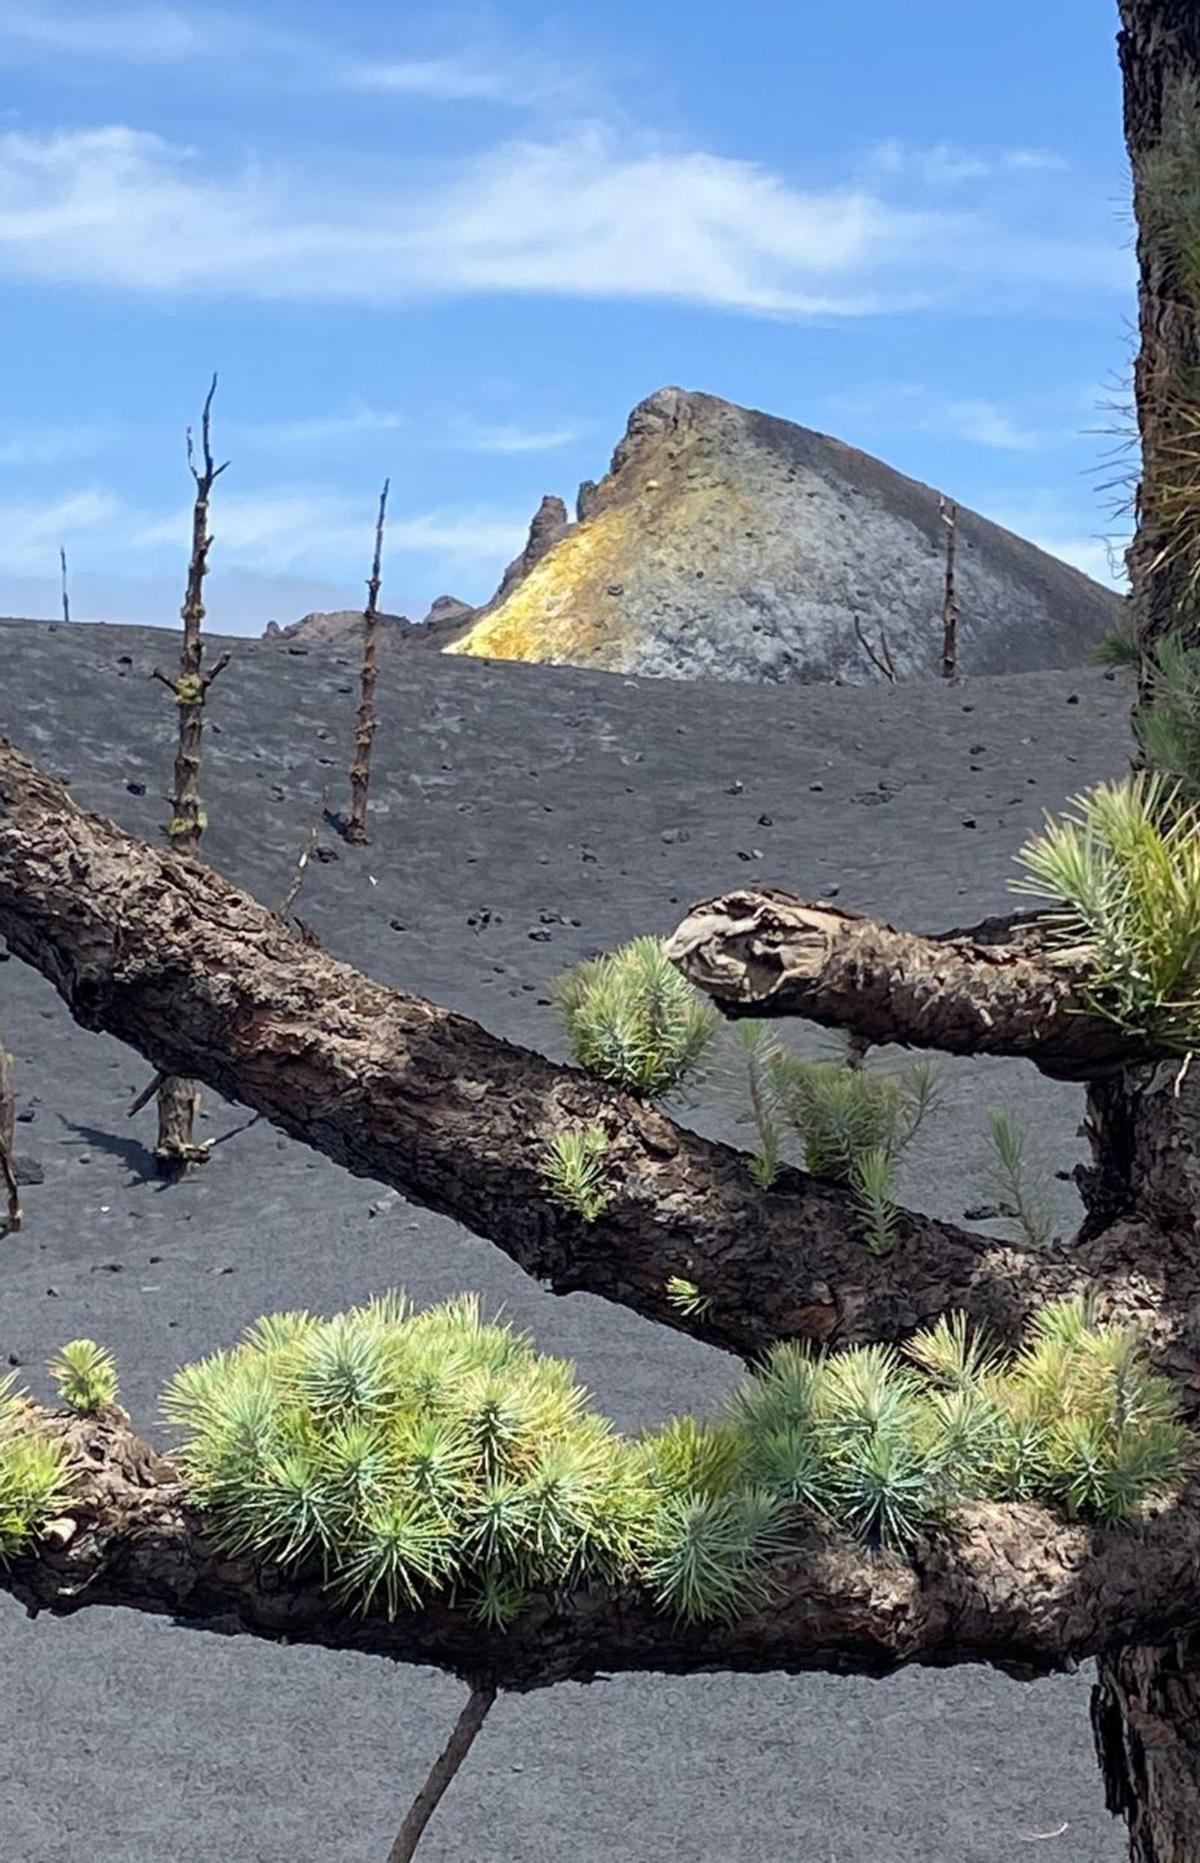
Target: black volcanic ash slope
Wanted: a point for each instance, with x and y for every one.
(523, 818)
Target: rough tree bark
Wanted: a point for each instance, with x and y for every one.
(1146, 1708)
(1159, 48)
(367, 720)
(8, 1116)
(179, 1100)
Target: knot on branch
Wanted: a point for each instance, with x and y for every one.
(744, 948)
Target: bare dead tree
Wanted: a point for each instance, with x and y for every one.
(66, 599)
(880, 659)
(178, 1099)
(367, 718)
(949, 516)
(8, 1115)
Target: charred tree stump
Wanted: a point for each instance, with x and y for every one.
(367, 719)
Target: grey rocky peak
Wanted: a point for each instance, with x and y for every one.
(727, 543)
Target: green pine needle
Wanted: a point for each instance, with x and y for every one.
(574, 1170)
(397, 1456)
(1022, 1194)
(632, 1019)
(86, 1375)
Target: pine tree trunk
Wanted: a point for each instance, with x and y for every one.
(1146, 1704)
(1145, 1136)
(1160, 59)
(1146, 1722)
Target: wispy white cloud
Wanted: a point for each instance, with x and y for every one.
(261, 53)
(586, 214)
(459, 78)
(452, 433)
(1102, 558)
(1057, 525)
(289, 531)
(946, 164)
(31, 532)
(509, 437)
(317, 429)
(132, 35)
(911, 407)
(50, 444)
(286, 531)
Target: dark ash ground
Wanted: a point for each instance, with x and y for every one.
(523, 817)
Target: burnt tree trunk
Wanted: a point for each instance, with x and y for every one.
(949, 517)
(8, 1115)
(1146, 1704)
(179, 1100)
(1146, 1721)
(367, 720)
(1160, 64)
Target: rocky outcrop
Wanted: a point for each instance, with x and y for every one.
(549, 526)
(329, 629)
(445, 622)
(725, 543)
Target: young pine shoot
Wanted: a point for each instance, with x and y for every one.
(1020, 1192)
(574, 1170)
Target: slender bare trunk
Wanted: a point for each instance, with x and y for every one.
(441, 1773)
(66, 599)
(949, 517)
(8, 1115)
(367, 719)
(179, 1100)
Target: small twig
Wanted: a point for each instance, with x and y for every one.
(218, 666)
(885, 664)
(204, 480)
(441, 1773)
(305, 855)
(147, 1094)
(233, 1132)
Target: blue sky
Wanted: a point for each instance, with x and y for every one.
(457, 245)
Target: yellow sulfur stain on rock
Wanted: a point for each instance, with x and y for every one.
(563, 612)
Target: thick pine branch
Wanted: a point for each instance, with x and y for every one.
(1016, 1586)
(991, 988)
(170, 957)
